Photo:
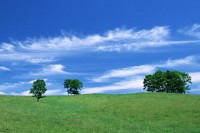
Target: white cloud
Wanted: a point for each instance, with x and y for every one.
(115, 36)
(195, 77)
(125, 72)
(135, 84)
(130, 40)
(24, 93)
(177, 62)
(40, 60)
(193, 30)
(136, 46)
(156, 33)
(4, 68)
(6, 47)
(143, 69)
(27, 56)
(37, 50)
(50, 70)
(54, 92)
(8, 86)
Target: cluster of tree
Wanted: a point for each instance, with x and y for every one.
(167, 81)
(73, 87)
(160, 81)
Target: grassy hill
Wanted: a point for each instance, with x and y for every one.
(98, 113)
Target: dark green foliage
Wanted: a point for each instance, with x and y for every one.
(38, 89)
(73, 86)
(169, 82)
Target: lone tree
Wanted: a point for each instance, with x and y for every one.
(38, 89)
(73, 86)
(169, 82)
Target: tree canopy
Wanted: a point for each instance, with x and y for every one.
(168, 81)
(38, 89)
(73, 86)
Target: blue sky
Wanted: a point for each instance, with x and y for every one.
(109, 45)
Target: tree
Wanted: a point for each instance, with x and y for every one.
(38, 89)
(169, 82)
(73, 86)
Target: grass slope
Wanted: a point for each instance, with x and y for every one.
(98, 113)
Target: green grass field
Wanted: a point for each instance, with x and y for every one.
(98, 113)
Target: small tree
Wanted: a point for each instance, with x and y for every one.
(73, 86)
(169, 82)
(38, 89)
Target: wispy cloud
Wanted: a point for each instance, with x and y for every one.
(193, 30)
(134, 83)
(7, 86)
(30, 57)
(119, 40)
(143, 69)
(54, 69)
(124, 72)
(40, 60)
(55, 92)
(172, 63)
(3, 68)
(17, 85)
(24, 93)
(7, 47)
(93, 41)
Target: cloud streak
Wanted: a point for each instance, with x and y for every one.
(124, 72)
(134, 83)
(3, 68)
(8, 86)
(94, 41)
(193, 30)
(119, 40)
(142, 69)
(54, 69)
